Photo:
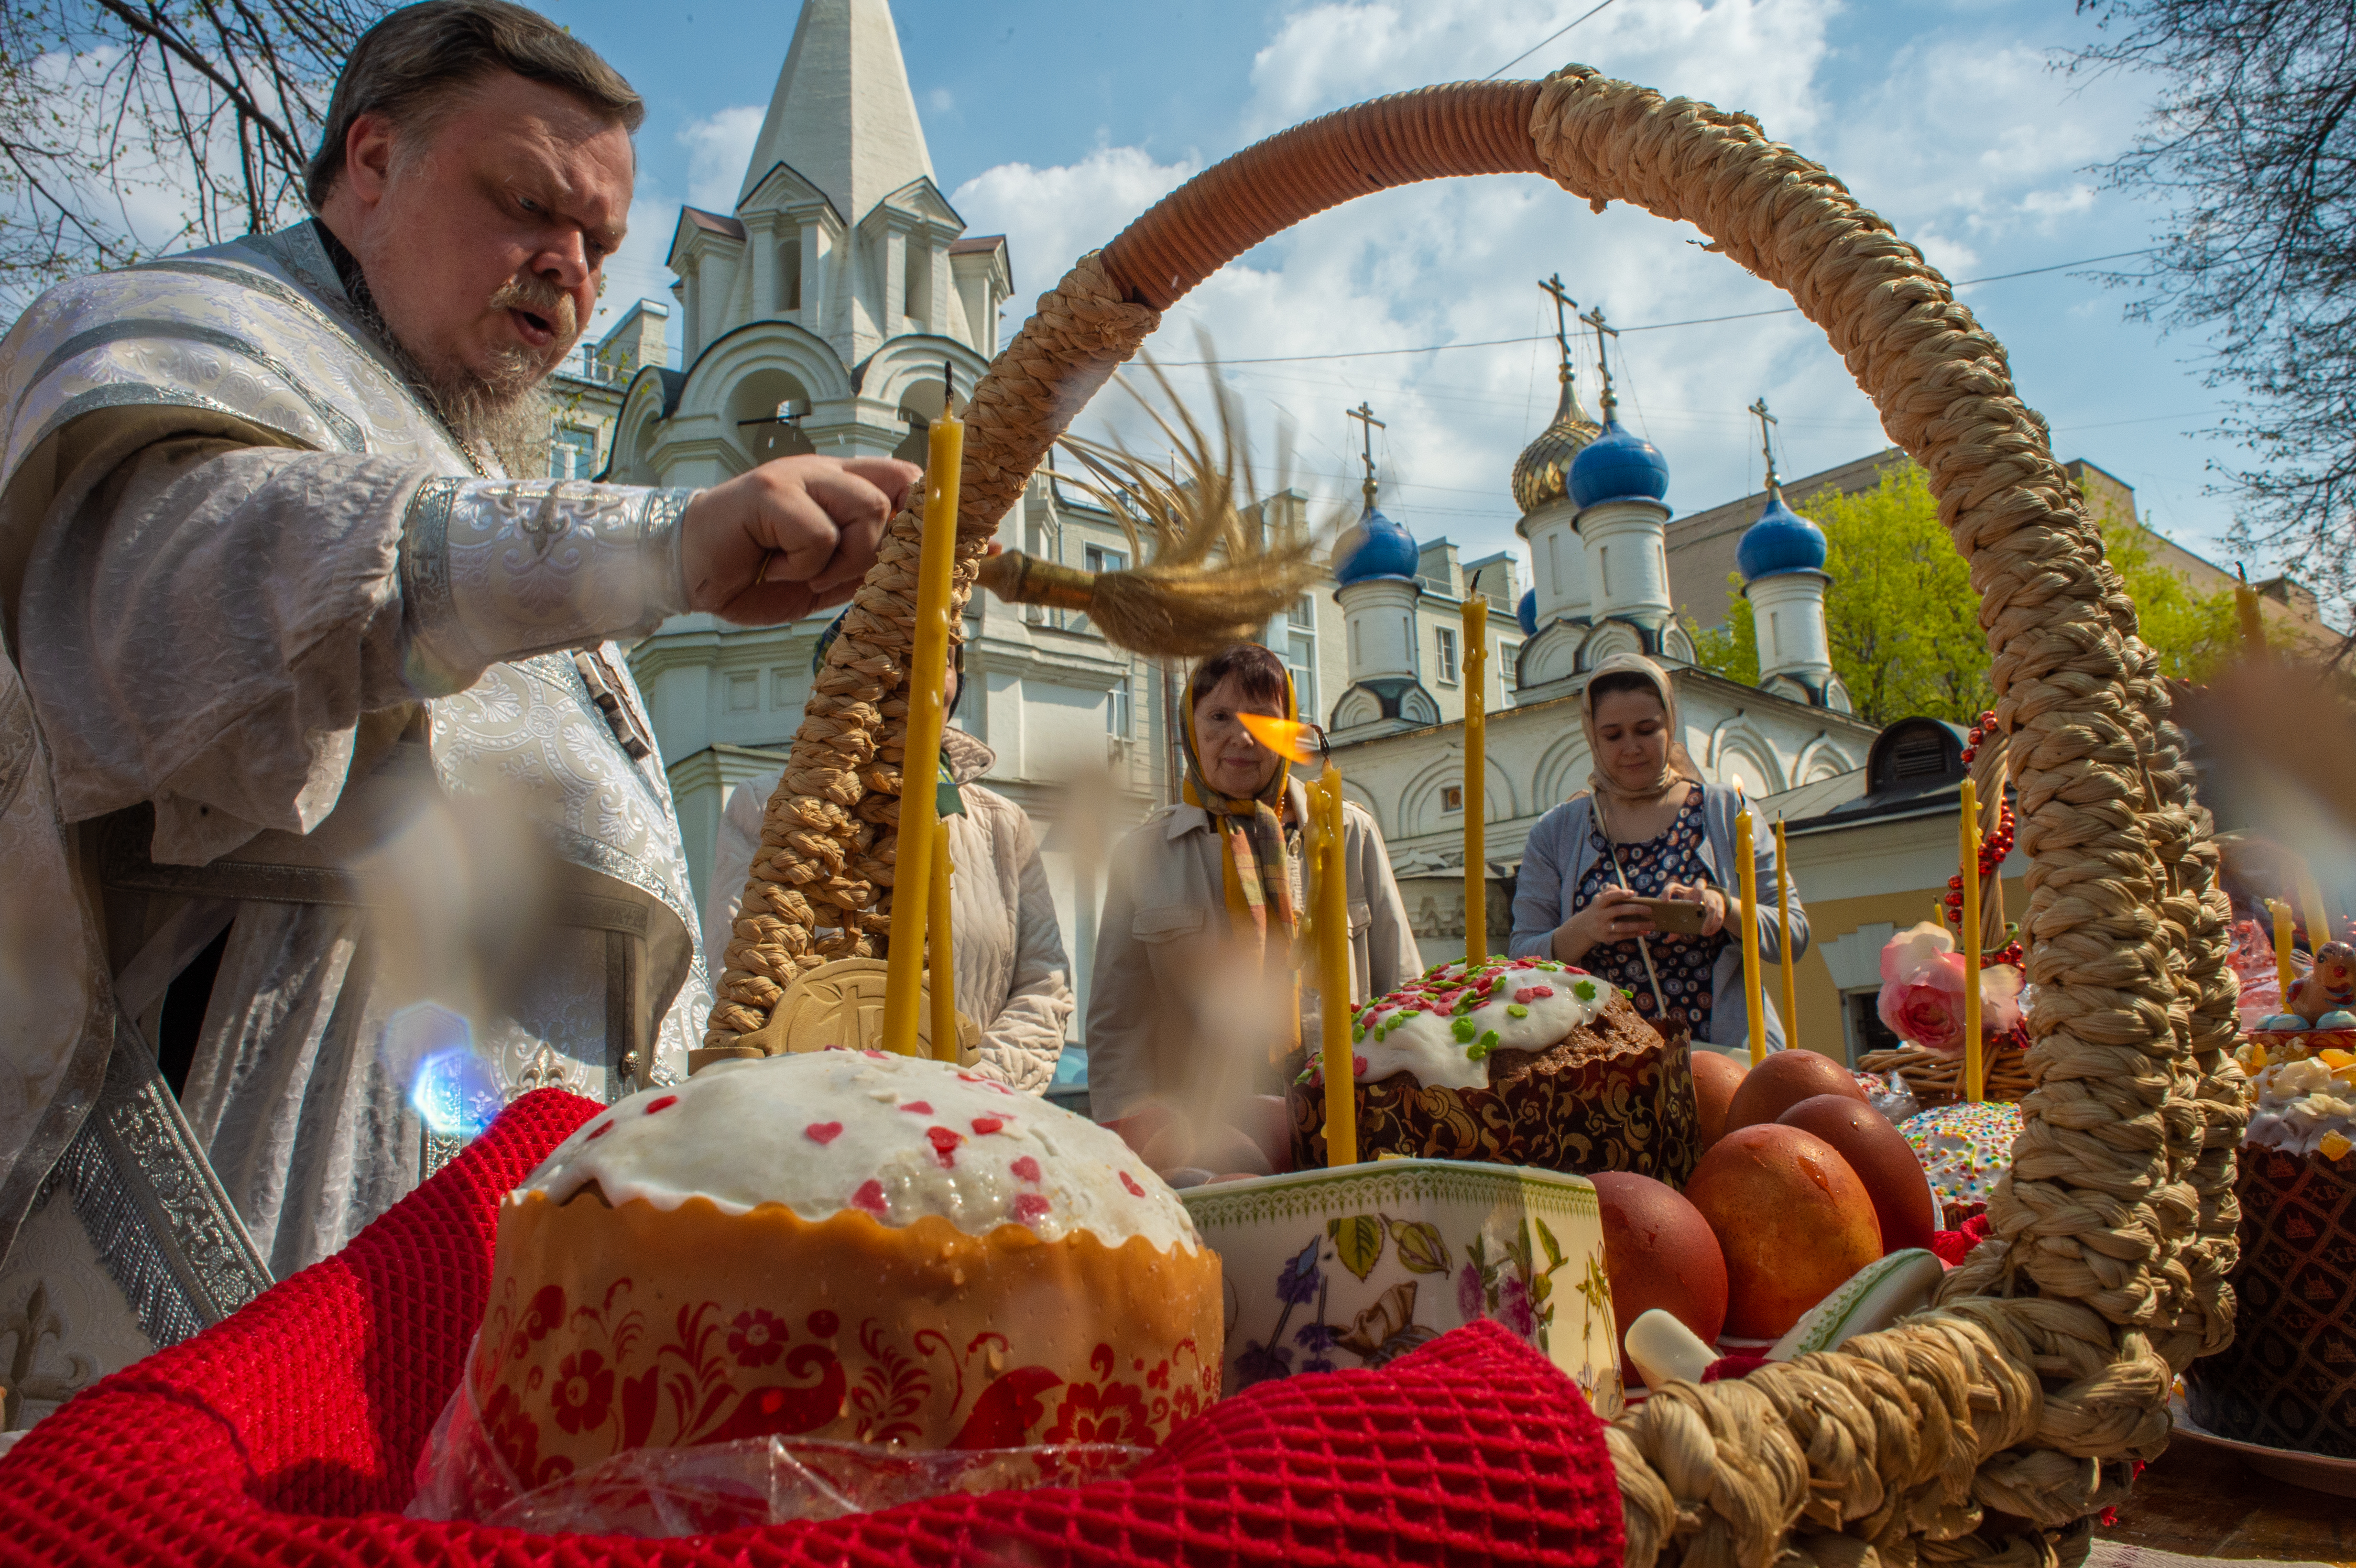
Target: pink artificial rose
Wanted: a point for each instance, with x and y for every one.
(1925, 1013)
(1922, 995)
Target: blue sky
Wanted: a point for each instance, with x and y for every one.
(1055, 123)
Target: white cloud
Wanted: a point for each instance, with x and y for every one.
(2060, 202)
(1049, 216)
(718, 147)
(941, 101)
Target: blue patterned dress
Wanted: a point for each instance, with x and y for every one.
(1683, 963)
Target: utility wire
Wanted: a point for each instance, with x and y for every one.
(1650, 326)
(1542, 43)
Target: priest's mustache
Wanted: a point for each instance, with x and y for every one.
(532, 294)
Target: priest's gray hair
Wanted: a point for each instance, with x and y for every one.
(412, 67)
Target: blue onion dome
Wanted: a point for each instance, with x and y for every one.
(1526, 613)
(1542, 471)
(1780, 541)
(1374, 547)
(1619, 465)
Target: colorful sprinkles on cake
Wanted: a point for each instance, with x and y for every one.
(1444, 1026)
(1964, 1149)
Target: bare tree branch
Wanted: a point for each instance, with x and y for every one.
(130, 127)
(2251, 141)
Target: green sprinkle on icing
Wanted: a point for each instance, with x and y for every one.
(1515, 1009)
(1462, 1029)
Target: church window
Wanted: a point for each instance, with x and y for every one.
(1300, 658)
(1446, 639)
(1775, 635)
(571, 452)
(789, 273)
(1451, 798)
(1355, 659)
(1603, 559)
(917, 282)
(1554, 564)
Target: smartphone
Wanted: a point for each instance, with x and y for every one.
(1676, 916)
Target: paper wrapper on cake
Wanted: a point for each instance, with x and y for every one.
(2289, 1380)
(1573, 1081)
(881, 1250)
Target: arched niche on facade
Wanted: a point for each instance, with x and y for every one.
(1820, 760)
(761, 413)
(1423, 806)
(1561, 772)
(763, 346)
(907, 373)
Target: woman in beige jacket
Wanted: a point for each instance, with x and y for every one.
(1196, 1002)
(1012, 978)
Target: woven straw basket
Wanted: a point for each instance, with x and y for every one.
(1990, 1428)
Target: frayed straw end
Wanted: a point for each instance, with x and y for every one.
(1162, 612)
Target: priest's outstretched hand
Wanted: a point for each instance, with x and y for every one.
(793, 535)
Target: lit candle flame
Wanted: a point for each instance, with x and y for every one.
(1287, 738)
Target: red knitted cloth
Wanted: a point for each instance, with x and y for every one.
(288, 1435)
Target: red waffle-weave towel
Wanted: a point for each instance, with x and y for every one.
(286, 1437)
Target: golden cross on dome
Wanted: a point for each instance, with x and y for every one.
(1365, 414)
(1766, 444)
(1594, 318)
(1562, 302)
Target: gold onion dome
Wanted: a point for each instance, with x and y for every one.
(1541, 472)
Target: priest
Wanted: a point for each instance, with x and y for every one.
(311, 673)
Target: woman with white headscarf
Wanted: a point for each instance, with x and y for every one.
(1648, 828)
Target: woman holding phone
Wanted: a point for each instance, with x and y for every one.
(1649, 829)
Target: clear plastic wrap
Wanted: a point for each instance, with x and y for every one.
(660, 1492)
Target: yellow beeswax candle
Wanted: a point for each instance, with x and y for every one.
(2310, 898)
(1476, 781)
(1969, 940)
(941, 945)
(920, 762)
(2253, 625)
(1784, 933)
(1334, 970)
(2286, 971)
(1747, 873)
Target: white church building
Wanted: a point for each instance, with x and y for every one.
(1594, 512)
(816, 317)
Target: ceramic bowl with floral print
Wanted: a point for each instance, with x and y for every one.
(1352, 1267)
(844, 1244)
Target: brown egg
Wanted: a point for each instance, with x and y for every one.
(1882, 1159)
(1781, 1082)
(1716, 1077)
(1793, 1222)
(1658, 1252)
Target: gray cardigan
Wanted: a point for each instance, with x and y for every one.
(1557, 857)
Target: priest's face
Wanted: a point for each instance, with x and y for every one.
(484, 230)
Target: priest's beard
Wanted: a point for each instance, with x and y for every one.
(505, 412)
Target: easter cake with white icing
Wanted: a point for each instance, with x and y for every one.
(844, 1245)
(1514, 1061)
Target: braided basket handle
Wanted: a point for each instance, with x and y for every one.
(1991, 1428)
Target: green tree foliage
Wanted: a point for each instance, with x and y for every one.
(1903, 619)
(1902, 615)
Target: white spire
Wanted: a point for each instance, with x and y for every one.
(842, 116)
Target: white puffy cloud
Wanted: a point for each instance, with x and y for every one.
(1052, 216)
(1963, 143)
(718, 147)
